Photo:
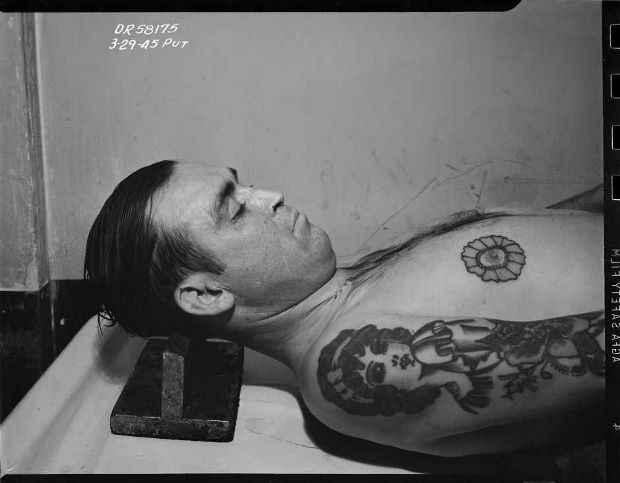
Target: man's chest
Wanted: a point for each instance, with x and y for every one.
(520, 268)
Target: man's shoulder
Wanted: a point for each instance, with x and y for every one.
(529, 220)
(330, 376)
(478, 220)
(507, 266)
(536, 228)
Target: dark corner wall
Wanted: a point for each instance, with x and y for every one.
(38, 316)
(24, 268)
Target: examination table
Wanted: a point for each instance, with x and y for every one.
(62, 425)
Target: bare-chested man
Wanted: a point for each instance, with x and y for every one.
(470, 337)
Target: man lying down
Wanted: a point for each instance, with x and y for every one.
(477, 335)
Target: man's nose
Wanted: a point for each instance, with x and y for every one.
(264, 199)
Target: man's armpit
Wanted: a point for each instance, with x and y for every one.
(385, 371)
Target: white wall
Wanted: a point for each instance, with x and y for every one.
(349, 115)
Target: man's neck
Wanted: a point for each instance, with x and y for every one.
(286, 336)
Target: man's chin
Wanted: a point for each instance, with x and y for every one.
(321, 245)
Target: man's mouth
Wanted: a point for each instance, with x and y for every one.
(297, 219)
(300, 220)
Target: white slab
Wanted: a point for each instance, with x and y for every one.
(63, 424)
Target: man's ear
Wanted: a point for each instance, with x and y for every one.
(198, 294)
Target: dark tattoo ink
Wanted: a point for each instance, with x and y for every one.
(494, 258)
(371, 371)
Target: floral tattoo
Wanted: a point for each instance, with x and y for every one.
(494, 258)
(371, 371)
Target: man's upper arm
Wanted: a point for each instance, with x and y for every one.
(407, 381)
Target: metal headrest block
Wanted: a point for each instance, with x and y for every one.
(182, 389)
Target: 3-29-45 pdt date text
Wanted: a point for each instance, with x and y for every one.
(131, 44)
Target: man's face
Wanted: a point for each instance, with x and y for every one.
(274, 256)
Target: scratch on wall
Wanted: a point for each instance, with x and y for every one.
(481, 190)
(411, 201)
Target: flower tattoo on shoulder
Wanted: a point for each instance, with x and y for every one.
(494, 258)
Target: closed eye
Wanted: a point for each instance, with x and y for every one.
(238, 214)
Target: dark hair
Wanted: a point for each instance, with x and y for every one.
(135, 263)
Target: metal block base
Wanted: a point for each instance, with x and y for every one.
(209, 380)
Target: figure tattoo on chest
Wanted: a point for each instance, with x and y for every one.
(494, 258)
(372, 371)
